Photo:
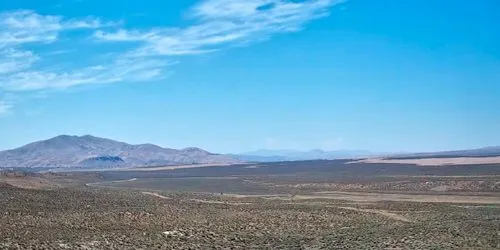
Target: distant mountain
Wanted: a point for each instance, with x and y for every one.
(93, 152)
(295, 155)
(258, 158)
(317, 154)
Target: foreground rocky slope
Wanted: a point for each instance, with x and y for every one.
(93, 152)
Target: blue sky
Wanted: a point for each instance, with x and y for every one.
(239, 75)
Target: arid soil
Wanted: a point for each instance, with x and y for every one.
(89, 218)
(436, 161)
(139, 169)
(282, 212)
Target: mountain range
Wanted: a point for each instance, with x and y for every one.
(264, 155)
(93, 152)
(317, 154)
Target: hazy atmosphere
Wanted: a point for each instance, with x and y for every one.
(237, 76)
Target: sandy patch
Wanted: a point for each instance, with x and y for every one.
(172, 167)
(157, 195)
(252, 167)
(96, 184)
(198, 200)
(435, 161)
(377, 197)
(173, 233)
(220, 202)
(381, 212)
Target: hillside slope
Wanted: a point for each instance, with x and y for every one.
(88, 151)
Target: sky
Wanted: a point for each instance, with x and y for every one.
(232, 76)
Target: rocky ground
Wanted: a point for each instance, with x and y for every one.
(99, 218)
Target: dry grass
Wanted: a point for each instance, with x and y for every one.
(29, 182)
(386, 213)
(108, 219)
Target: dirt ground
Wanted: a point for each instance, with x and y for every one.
(291, 213)
(435, 161)
(89, 218)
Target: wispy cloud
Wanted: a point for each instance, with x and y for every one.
(14, 60)
(26, 26)
(215, 25)
(220, 23)
(21, 27)
(59, 52)
(118, 71)
(18, 65)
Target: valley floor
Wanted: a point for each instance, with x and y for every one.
(110, 219)
(203, 210)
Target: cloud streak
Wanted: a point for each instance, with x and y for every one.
(118, 71)
(215, 25)
(26, 26)
(19, 73)
(221, 23)
(17, 64)
(14, 60)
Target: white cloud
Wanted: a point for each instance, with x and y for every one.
(118, 71)
(122, 35)
(25, 26)
(14, 60)
(88, 23)
(17, 69)
(223, 22)
(215, 24)
(58, 52)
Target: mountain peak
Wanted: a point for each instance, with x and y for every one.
(89, 137)
(73, 137)
(192, 149)
(66, 151)
(63, 137)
